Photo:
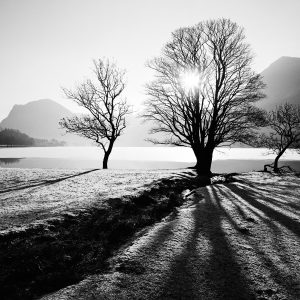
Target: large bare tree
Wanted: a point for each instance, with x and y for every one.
(106, 109)
(283, 124)
(203, 90)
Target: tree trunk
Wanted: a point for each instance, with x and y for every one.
(204, 160)
(106, 154)
(276, 169)
(105, 160)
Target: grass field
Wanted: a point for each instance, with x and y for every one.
(30, 196)
(59, 226)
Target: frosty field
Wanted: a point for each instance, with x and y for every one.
(90, 232)
(30, 196)
(233, 240)
(59, 226)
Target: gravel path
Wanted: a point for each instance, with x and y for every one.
(238, 240)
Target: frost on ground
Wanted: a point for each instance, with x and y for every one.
(30, 196)
(237, 240)
(59, 227)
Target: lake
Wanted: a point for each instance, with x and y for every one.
(224, 159)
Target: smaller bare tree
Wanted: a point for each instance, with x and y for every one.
(105, 120)
(283, 124)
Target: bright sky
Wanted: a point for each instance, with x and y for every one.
(47, 44)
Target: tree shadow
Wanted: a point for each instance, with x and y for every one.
(273, 247)
(46, 182)
(251, 197)
(202, 253)
(224, 274)
(215, 276)
(265, 191)
(157, 241)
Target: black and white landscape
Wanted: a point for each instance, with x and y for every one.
(149, 149)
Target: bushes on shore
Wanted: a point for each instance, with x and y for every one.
(13, 138)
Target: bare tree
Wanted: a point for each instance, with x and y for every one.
(284, 131)
(105, 120)
(203, 90)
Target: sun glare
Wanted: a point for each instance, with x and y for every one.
(190, 79)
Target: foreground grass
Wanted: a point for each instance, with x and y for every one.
(231, 240)
(29, 197)
(46, 244)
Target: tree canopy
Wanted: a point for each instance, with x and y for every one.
(204, 89)
(106, 110)
(283, 125)
(12, 137)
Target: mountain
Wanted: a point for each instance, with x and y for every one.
(39, 119)
(283, 82)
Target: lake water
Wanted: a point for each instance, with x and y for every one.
(224, 159)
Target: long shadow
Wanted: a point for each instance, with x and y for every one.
(215, 276)
(279, 275)
(236, 203)
(153, 247)
(182, 280)
(232, 221)
(46, 182)
(187, 174)
(262, 184)
(226, 273)
(238, 206)
(274, 201)
(251, 197)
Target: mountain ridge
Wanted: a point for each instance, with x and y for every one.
(282, 80)
(39, 119)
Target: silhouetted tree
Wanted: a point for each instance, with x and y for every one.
(203, 90)
(284, 131)
(105, 120)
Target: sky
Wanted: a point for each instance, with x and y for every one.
(50, 44)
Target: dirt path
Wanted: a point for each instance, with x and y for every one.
(239, 240)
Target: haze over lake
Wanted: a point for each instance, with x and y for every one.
(224, 159)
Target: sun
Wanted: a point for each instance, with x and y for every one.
(189, 79)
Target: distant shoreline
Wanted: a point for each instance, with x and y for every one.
(218, 165)
(27, 146)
